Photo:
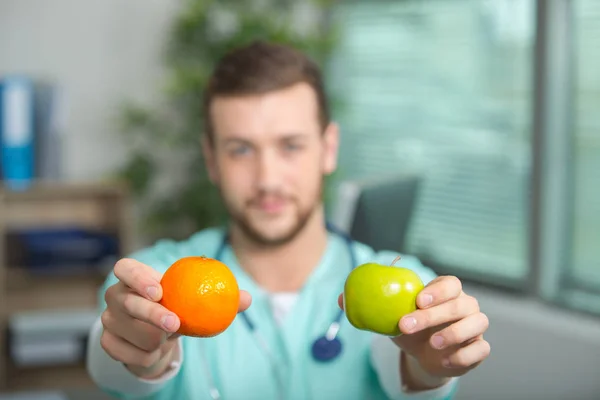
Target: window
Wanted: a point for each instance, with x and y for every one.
(443, 89)
(495, 105)
(585, 205)
(586, 251)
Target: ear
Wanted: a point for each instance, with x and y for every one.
(208, 152)
(331, 139)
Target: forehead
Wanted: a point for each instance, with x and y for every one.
(287, 111)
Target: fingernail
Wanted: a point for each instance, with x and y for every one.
(409, 322)
(152, 292)
(426, 299)
(446, 363)
(168, 321)
(437, 341)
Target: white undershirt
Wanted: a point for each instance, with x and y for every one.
(281, 304)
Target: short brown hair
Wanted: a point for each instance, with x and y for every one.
(261, 67)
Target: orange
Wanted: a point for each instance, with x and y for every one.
(203, 293)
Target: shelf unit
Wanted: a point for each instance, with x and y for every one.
(99, 206)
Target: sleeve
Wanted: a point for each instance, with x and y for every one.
(385, 359)
(113, 376)
(385, 355)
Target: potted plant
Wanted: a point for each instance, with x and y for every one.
(165, 170)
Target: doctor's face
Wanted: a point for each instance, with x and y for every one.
(268, 158)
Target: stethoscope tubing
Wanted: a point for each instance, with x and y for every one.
(324, 349)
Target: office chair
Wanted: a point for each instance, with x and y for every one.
(377, 212)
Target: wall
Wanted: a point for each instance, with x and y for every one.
(538, 352)
(100, 52)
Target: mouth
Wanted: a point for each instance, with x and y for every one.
(270, 205)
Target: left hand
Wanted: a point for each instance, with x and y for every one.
(445, 333)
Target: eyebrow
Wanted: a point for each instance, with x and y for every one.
(287, 137)
(294, 136)
(236, 140)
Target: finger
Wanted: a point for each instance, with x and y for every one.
(451, 311)
(140, 334)
(468, 356)
(120, 350)
(147, 311)
(468, 342)
(438, 291)
(139, 277)
(151, 372)
(245, 301)
(169, 344)
(341, 301)
(465, 330)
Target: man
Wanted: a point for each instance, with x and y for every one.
(268, 144)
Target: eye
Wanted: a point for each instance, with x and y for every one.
(291, 147)
(239, 150)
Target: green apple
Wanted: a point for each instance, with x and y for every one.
(377, 296)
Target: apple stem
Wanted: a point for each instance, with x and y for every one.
(395, 260)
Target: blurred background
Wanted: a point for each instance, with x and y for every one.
(479, 119)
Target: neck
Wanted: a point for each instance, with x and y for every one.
(285, 267)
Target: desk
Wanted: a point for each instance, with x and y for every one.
(54, 395)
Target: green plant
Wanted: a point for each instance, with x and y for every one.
(170, 133)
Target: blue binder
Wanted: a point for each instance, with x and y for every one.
(17, 131)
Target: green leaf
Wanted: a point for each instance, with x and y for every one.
(195, 43)
(138, 172)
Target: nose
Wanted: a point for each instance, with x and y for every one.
(268, 172)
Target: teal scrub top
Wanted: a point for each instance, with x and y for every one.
(239, 366)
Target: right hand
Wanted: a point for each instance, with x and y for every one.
(138, 331)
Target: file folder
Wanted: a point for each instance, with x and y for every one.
(17, 131)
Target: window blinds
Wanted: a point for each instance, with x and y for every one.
(442, 88)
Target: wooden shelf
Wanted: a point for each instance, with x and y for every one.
(101, 207)
(96, 206)
(65, 190)
(52, 378)
(27, 292)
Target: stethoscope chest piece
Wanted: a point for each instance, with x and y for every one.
(325, 349)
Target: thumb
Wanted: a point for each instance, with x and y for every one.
(245, 301)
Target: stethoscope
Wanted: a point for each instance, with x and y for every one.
(324, 349)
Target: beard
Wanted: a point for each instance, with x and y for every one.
(243, 221)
